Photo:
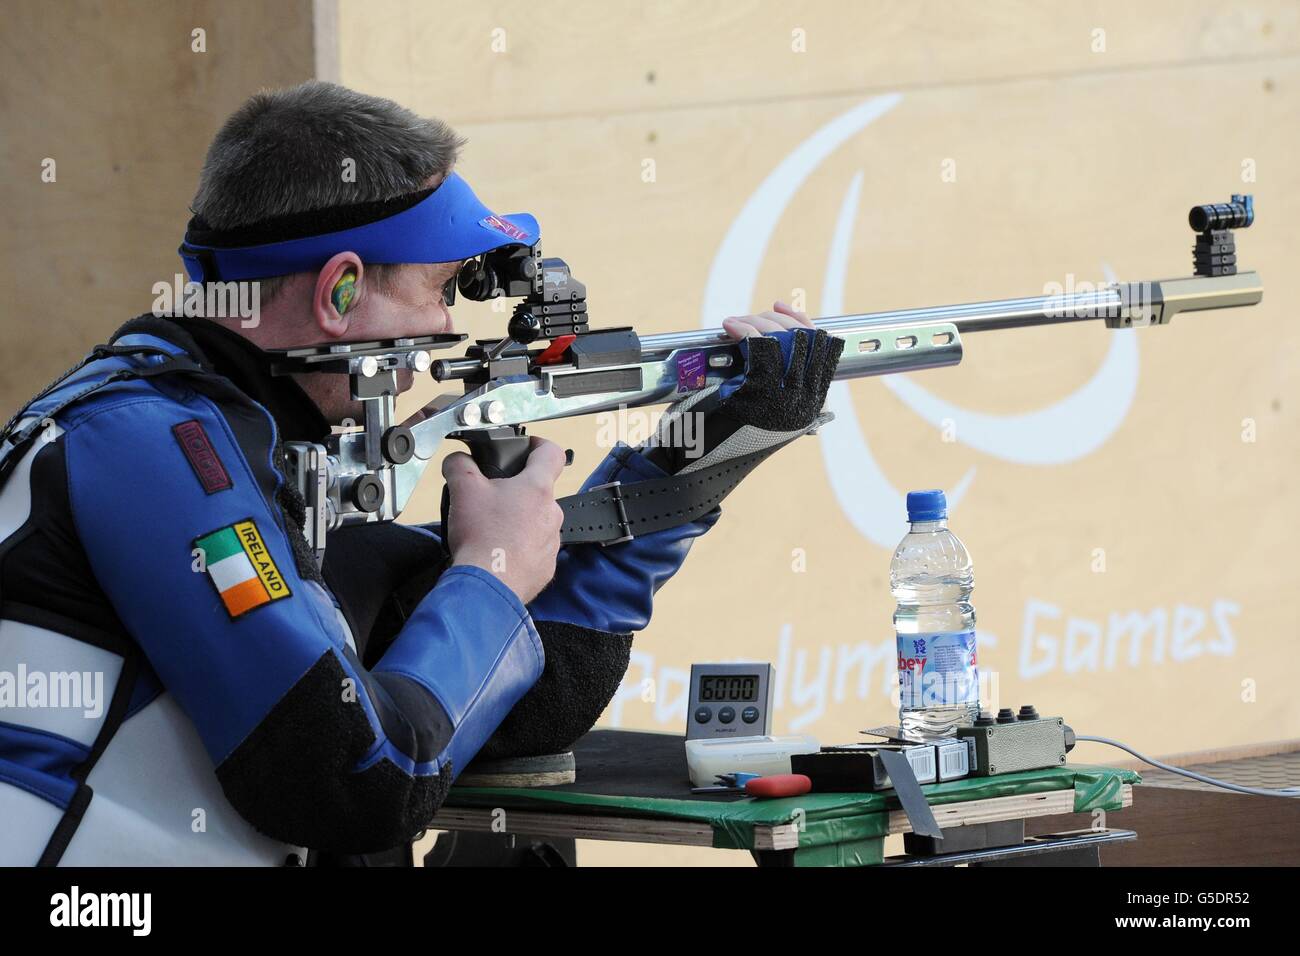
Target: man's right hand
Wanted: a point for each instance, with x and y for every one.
(509, 527)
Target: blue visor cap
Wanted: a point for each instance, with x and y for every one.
(448, 225)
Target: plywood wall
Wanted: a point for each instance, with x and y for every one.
(116, 94)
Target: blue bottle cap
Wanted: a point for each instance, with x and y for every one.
(926, 505)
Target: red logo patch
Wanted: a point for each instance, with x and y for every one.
(502, 226)
(202, 457)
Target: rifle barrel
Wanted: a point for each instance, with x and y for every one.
(1167, 296)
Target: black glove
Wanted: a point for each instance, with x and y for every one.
(777, 398)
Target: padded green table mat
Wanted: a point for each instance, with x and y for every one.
(624, 773)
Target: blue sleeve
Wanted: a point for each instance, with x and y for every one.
(308, 746)
(612, 588)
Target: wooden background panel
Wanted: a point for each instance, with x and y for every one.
(114, 93)
(1054, 178)
(593, 58)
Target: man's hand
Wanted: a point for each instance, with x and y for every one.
(781, 317)
(509, 527)
(788, 367)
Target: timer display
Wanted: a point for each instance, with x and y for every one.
(738, 688)
(729, 700)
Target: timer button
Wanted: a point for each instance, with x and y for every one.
(703, 715)
(726, 715)
(749, 715)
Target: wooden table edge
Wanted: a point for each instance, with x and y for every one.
(766, 837)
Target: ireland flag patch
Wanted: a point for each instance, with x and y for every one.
(241, 568)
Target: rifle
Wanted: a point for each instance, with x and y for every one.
(369, 474)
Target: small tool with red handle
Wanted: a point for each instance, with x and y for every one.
(779, 785)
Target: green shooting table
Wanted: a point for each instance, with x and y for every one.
(633, 787)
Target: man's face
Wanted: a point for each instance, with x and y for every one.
(410, 304)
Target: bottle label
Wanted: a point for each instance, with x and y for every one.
(937, 670)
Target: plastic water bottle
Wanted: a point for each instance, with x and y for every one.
(931, 578)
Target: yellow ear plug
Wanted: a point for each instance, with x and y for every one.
(345, 290)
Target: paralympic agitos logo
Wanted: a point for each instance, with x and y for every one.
(1054, 434)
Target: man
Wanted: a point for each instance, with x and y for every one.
(255, 706)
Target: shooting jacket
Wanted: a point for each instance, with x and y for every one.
(180, 683)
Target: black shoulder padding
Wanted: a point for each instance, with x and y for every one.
(292, 778)
(583, 670)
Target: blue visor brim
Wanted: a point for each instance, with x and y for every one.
(449, 225)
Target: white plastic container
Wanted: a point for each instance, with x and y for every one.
(706, 758)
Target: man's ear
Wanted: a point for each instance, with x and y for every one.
(338, 289)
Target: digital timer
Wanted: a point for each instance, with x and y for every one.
(729, 700)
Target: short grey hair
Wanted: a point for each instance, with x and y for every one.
(287, 151)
